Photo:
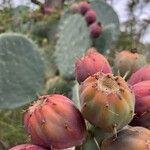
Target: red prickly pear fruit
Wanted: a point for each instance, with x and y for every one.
(27, 147)
(142, 104)
(95, 29)
(54, 121)
(47, 10)
(75, 8)
(142, 74)
(106, 101)
(91, 63)
(133, 138)
(129, 61)
(90, 17)
(84, 7)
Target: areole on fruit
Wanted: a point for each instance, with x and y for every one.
(106, 101)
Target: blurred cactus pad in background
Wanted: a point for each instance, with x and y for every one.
(83, 51)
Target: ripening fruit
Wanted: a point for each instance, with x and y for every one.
(84, 7)
(27, 147)
(129, 61)
(54, 121)
(134, 138)
(90, 17)
(142, 104)
(106, 101)
(95, 29)
(91, 63)
(75, 8)
(142, 74)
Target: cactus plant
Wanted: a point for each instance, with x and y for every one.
(106, 101)
(53, 121)
(134, 138)
(110, 25)
(71, 44)
(22, 70)
(59, 85)
(78, 35)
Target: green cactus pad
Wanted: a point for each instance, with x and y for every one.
(74, 40)
(89, 144)
(59, 86)
(110, 23)
(21, 70)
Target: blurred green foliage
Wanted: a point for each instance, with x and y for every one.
(11, 128)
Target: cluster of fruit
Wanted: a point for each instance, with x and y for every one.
(108, 103)
(84, 9)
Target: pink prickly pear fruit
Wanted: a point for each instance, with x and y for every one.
(95, 29)
(90, 17)
(75, 8)
(54, 121)
(142, 104)
(91, 63)
(47, 10)
(106, 101)
(27, 147)
(129, 61)
(84, 7)
(142, 74)
(133, 138)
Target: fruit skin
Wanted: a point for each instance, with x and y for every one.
(140, 75)
(27, 147)
(129, 61)
(90, 17)
(84, 7)
(95, 29)
(54, 121)
(91, 63)
(106, 101)
(142, 104)
(134, 138)
(74, 8)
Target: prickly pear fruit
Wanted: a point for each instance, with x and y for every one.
(142, 74)
(134, 138)
(74, 8)
(54, 121)
(47, 10)
(106, 101)
(95, 29)
(90, 17)
(27, 147)
(142, 104)
(91, 63)
(84, 7)
(129, 62)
